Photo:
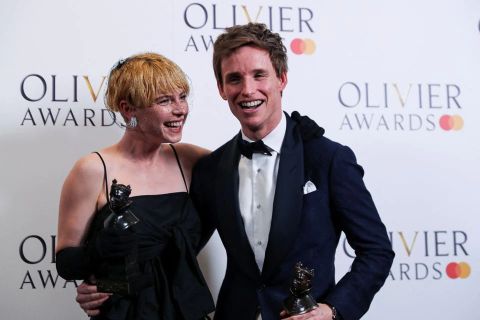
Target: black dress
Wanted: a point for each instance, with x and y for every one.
(172, 285)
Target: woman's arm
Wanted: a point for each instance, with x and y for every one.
(78, 202)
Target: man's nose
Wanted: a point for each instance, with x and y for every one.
(248, 87)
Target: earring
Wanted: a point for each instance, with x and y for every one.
(133, 122)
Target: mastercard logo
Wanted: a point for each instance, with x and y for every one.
(302, 46)
(458, 270)
(448, 122)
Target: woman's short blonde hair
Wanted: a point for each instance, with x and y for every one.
(140, 78)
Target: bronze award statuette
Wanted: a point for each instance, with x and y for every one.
(120, 279)
(300, 301)
(121, 217)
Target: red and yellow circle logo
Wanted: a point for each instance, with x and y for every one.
(303, 46)
(458, 270)
(448, 122)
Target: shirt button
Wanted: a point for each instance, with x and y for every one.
(258, 206)
(259, 243)
(259, 170)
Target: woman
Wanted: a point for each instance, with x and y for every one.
(150, 92)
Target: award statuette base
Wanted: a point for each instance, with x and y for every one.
(299, 305)
(113, 286)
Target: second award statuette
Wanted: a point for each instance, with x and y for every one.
(300, 301)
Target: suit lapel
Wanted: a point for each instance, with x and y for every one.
(287, 206)
(231, 228)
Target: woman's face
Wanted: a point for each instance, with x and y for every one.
(165, 118)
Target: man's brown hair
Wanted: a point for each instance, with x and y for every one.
(251, 34)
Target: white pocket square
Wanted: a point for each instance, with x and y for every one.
(309, 187)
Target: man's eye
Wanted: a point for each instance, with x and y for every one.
(183, 97)
(233, 80)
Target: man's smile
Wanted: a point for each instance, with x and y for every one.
(250, 104)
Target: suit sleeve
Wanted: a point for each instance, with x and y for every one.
(200, 190)
(355, 214)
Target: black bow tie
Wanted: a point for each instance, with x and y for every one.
(249, 148)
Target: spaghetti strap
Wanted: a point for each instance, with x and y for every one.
(179, 166)
(105, 177)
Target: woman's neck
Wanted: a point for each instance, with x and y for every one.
(132, 145)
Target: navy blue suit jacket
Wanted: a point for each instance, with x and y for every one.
(305, 227)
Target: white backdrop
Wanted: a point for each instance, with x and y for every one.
(395, 80)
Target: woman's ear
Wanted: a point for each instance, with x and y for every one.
(126, 110)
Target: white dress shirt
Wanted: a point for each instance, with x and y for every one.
(257, 182)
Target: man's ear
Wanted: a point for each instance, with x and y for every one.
(221, 91)
(283, 80)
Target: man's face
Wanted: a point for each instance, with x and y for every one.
(253, 90)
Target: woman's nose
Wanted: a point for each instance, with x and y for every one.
(180, 106)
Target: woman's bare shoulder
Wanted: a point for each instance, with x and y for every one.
(88, 166)
(92, 163)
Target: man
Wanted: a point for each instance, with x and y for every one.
(285, 199)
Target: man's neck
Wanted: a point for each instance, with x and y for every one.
(261, 133)
(274, 138)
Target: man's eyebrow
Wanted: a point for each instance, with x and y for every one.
(236, 73)
(232, 74)
(260, 70)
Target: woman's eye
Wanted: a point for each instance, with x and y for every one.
(164, 102)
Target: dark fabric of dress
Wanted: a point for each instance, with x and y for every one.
(167, 233)
(169, 283)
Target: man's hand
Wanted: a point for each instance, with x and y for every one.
(322, 312)
(90, 299)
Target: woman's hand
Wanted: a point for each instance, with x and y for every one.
(89, 299)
